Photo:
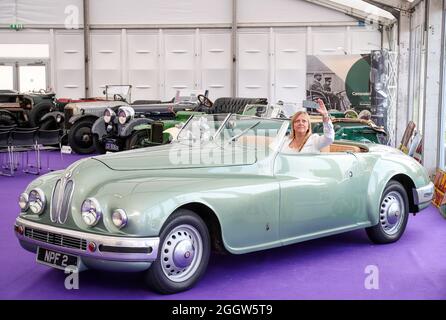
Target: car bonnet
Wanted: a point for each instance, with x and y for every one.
(178, 156)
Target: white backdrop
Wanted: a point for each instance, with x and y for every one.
(271, 61)
(38, 11)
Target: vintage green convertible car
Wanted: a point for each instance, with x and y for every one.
(225, 184)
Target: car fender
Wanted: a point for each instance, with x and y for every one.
(128, 129)
(7, 112)
(78, 117)
(54, 115)
(150, 200)
(99, 128)
(386, 169)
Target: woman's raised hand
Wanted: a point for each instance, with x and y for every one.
(322, 109)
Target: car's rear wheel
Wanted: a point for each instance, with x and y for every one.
(393, 215)
(183, 254)
(80, 137)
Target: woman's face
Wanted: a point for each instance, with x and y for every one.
(300, 125)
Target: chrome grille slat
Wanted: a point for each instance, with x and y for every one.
(61, 199)
(66, 201)
(56, 239)
(54, 201)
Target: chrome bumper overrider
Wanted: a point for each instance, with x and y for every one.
(80, 243)
(424, 194)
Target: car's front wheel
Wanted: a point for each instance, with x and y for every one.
(98, 144)
(136, 139)
(80, 136)
(393, 215)
(183, 254)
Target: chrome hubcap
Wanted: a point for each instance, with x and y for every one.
(392, 212)
(86, 138)
(181, 253)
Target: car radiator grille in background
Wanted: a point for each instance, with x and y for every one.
(68, 113)
(56, 239)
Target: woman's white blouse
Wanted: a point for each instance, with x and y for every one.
(315, 142)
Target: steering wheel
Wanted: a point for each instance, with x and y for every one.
(118, 97)
(204, 101)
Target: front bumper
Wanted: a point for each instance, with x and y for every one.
(423, 195)
(106, 248)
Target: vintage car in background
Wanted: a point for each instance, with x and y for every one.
(365, 131)
(223, 184)
(76, 117)
(24, 109)
(151, 125)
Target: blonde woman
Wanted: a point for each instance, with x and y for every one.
(302, 139)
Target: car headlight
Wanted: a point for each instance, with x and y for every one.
(24, 201)
(36, 201)
(125, 114)
(119, 218)
(109, 115)
(122, 117)
(91, 212)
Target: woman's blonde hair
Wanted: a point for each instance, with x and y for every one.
(293, 119)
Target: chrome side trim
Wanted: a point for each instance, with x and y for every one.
(110, 241)
(423, 194)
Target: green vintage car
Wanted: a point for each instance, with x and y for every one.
(223, 184)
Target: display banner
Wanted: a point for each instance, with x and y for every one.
(341, 81)
(379, 84)
(352, 82)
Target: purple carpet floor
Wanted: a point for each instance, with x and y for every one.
(336, 267)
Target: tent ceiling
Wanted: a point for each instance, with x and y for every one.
(368, 10)
(396, 4)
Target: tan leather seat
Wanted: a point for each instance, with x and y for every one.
(256, 140)
(344, 148)
(325, 149)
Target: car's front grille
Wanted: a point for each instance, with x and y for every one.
(61, 200)
(68, 113)
(56, 239)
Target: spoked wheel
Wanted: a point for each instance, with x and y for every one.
(393, 215)
(183, 254)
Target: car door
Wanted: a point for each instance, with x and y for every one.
(318, 194)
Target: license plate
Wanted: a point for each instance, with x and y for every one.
(111, 145)
(56, 259)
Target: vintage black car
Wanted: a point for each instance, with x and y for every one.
(24, 109)
(139, 126)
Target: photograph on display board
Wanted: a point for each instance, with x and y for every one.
(351, 82)
(379, 81)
